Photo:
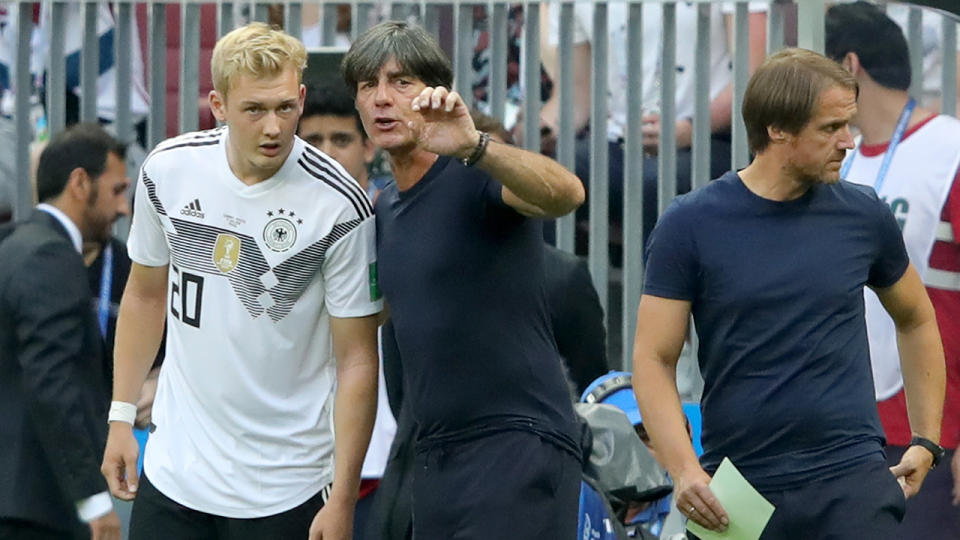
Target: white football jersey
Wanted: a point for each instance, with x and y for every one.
(243, 411)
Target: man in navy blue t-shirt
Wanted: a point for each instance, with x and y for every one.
(771, 262)
(461, 267)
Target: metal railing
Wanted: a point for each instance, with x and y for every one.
(454, 24)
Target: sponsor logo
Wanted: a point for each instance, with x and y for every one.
(193, 209)
(226, 252)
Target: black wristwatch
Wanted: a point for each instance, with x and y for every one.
(933, 447)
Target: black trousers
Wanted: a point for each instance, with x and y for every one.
(18, 529)
(865, 503)
(511, 484)
(156, 517)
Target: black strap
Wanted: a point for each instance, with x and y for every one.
(933, 447)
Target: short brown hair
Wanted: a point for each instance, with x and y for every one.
(258, 50)
(784, 92)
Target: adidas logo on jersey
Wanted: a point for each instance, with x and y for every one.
(193, 209)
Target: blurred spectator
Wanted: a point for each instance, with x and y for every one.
(330, 123)
(9, 15)
(911, 157)
(931, 41)
(106, 82)
(721, 39)
(312, 25)
(482, 63)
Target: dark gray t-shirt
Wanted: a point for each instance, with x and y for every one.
(776, 290)
(462, 274)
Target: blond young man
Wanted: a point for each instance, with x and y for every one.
(259, 253)
(772, 261)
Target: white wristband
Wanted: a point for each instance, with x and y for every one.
(121, 411)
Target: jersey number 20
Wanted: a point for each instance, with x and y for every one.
(186, 296)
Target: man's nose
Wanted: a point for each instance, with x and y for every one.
(381, 95)
(271, 124)
(123, 208)
(846, 139)
(326, 147)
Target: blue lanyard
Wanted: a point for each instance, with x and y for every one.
(106, 284)
(891, 148)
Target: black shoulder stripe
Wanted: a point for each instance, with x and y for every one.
(181, 145)
(346, 185)
(152, 193)
(361, 210)
(326, 164)
(186, 139)
(328, 161)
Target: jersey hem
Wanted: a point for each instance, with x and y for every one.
(356, 312)
(255, 510)
(146, 261)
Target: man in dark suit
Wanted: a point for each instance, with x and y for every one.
(53, 375)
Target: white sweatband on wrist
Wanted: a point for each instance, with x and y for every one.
(121, 411)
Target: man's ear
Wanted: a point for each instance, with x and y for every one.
(79, 185)
(217, 105)
(851, 63)
(777, 135)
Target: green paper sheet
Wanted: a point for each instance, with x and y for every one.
(748, 511)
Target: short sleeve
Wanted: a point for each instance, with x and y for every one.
(671, 257)
(350, 273)
(891, 260)
(147, 244)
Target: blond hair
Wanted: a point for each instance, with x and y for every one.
(256, 49)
